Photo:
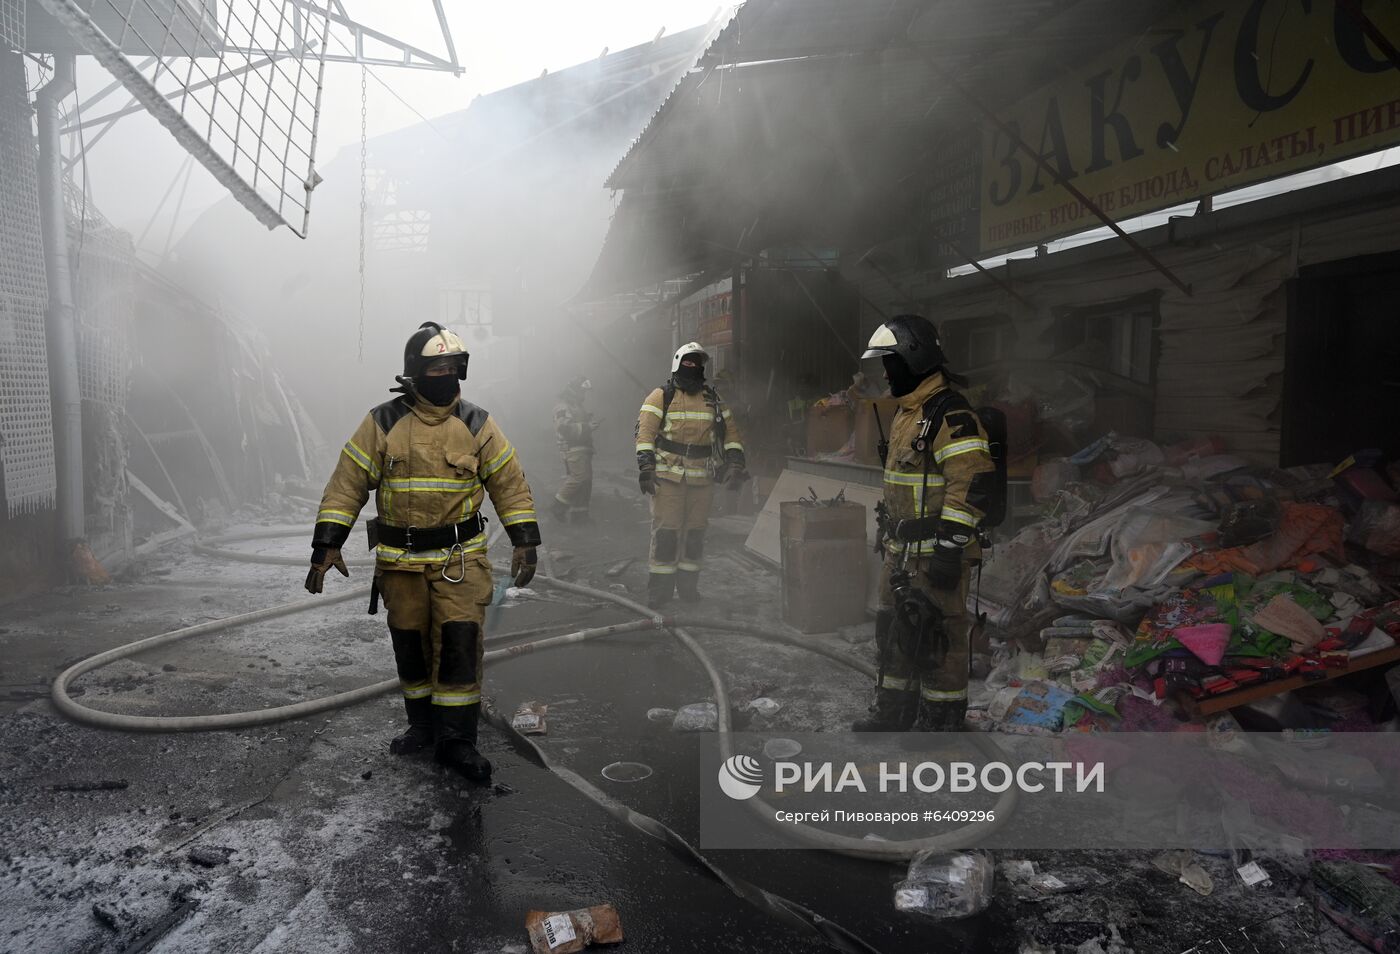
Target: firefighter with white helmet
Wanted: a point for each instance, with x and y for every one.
(687, 441)
(938, 478)
(574, 425)
(431, 458)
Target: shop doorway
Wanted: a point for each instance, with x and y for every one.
(1341, 386)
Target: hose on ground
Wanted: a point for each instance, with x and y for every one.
(856, 847)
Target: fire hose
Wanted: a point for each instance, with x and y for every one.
(890, 851)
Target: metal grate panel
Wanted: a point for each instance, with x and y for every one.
(12, 24)
(26, 417)
(104, 264)
(238, 83)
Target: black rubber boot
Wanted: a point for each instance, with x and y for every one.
(941, 716)
(456, 741)
(660, 588)
(419, 734)
(892, 711)
(559, 510)
(688, 586)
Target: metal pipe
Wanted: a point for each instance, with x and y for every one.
(60, 327)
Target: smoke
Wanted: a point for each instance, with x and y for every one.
(488, 220)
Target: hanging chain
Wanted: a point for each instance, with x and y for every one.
(364, 201)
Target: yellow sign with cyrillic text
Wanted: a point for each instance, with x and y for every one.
(1222, 94)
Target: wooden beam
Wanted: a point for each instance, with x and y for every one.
(1210, 705)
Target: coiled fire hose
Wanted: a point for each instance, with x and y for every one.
(892, 851)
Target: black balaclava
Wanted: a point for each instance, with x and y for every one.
(439, 389)
(902, 380)
(690, 380)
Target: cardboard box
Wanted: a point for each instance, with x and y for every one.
(824, 584)
(828, 429)
(867, 434)
(800, 521)
(765, 539)
(823, 561)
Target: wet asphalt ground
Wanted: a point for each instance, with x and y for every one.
(308, 836)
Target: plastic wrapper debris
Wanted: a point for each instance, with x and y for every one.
(1183, 865)
(1253, 874)
(1249, 522)
(1065, 880)
(696, 717)
(1133, 455)
(1052, 477)
(1035, 706)
(945, 884)
(565, 932)
(1376, 527)
(1282, 615)
(1149, 542)
(1304, 530)
(764, 706)
(529, 719)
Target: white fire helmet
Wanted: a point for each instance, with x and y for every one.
(689, 348)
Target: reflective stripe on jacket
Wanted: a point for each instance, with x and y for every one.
(429, 467)
(572, 425)
(956, 454)
(689, 420)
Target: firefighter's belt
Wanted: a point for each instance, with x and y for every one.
(915, 529)
(415, 539)
(685, 450)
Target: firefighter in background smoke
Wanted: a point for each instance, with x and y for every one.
(687, 441)
(431, 457)
(574, 426)
(938, 475)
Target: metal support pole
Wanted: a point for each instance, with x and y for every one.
(60, 323)
(736, 318)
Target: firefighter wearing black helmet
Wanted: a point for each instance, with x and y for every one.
(937, 471)
(431, 458)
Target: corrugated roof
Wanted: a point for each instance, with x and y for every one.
(814, 115)
(1003, 48)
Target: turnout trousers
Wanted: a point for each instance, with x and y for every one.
(436, 628)
(680, 511)
(946, 683)
(577, 488)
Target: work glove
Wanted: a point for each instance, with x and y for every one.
(522, 565)
(946, 564)
(322, 559)
(646, 472)
(736, 469)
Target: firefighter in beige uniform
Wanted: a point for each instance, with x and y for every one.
(431, 458)
(938, 474)
(574, 425)
(687, 441)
